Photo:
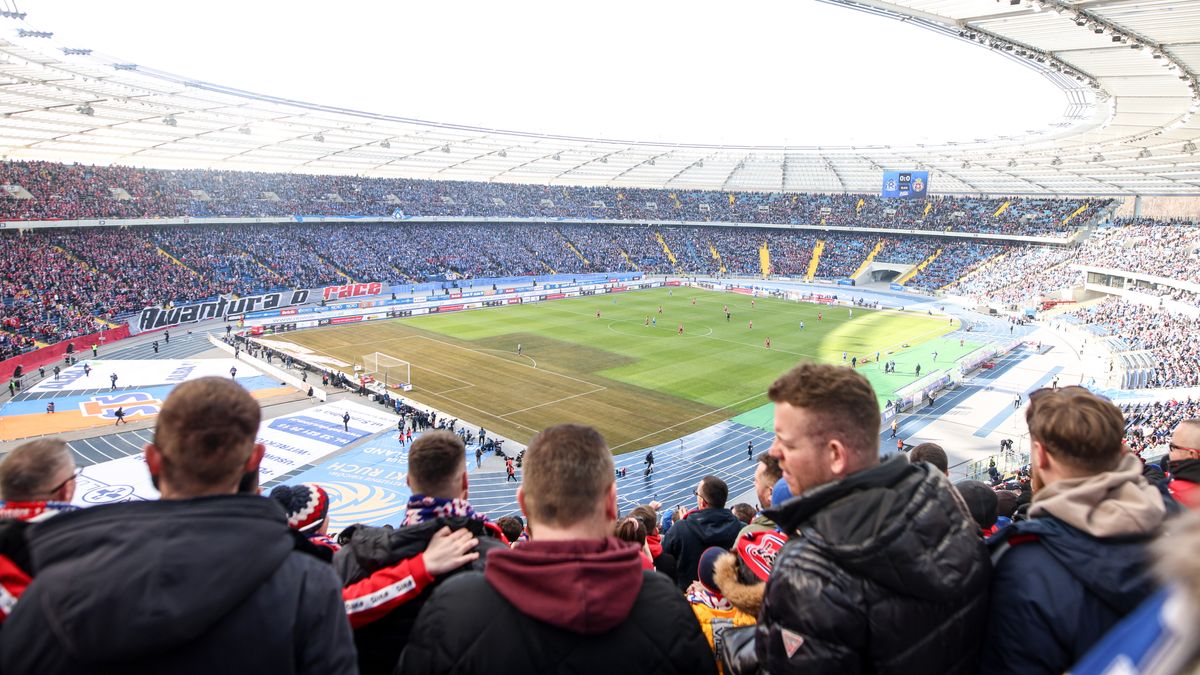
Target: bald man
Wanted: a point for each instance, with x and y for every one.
(1184, 464)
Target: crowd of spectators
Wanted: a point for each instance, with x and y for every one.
(948, 578)
(62, 191)
(1020, 274)
(1148, 426)
(1164, 248)
(58, 281)
(1173, 338)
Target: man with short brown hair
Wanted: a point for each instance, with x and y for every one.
(383, 610)
(1068, 573)
(870, 544)
(766, 475)
(932, 453)
(182, 583)
(573, 598)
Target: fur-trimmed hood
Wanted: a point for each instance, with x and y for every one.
(745, 597)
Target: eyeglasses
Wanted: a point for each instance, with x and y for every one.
(1174, 447)
(74, 475)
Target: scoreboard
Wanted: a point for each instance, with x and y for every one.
(905, 184)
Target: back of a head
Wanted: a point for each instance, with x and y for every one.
(714, 491)
(1006, 503)
(1077, 427)
(744, 512)
(436, 462)
(932, 453)
(648, 516)
(840, 400)
(568, 471)
(32, 470)
(206, 433)
(512, 527)
(981, 501)
(631, 529)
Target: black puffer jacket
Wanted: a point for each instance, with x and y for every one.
(884, 573)
(367, 549)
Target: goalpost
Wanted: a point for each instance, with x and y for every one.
(389, 370)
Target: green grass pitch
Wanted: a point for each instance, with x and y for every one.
(639, 384)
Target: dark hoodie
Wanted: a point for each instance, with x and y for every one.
(1067, 575)
(581, 606)
(687, 539)
(207, 585)
(884, 573)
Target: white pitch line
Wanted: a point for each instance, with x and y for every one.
(565, 398)
(522, 365)
(501, 351)
(707, 414)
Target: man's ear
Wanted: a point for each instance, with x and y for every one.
(1040, 457)
(255, 458)
(521, 502)
(610, 503)
(839, 457)
(154, 459)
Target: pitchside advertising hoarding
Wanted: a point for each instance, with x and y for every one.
(905, 184)
(153, 318)
(291, 441)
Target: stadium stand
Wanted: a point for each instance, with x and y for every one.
(1174, 338)
(61, 191)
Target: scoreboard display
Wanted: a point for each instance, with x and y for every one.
(905, 184)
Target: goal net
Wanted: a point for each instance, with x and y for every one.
(388, 370)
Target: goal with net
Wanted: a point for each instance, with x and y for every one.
(388, 370)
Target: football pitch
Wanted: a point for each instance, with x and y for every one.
(619, 362)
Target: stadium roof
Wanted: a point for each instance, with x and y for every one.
(1127, 68)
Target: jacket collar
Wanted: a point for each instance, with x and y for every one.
(800, 508)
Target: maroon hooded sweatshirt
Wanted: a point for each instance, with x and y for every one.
(586, 586)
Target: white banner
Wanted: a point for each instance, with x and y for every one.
(135, 373)
(291, 441)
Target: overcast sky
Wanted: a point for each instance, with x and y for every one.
(797, 72)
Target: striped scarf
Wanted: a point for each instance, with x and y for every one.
(422, 508)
